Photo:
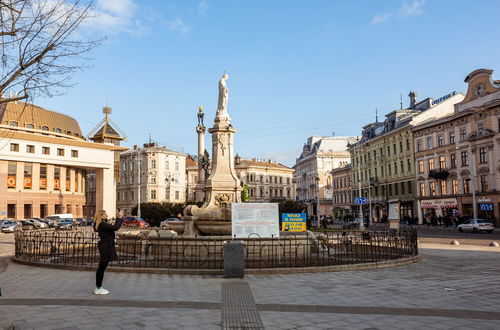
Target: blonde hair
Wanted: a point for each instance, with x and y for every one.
(99, 214)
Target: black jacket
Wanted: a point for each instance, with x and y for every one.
(106, 243)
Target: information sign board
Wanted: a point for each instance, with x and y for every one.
(254, 219)
(293, 222)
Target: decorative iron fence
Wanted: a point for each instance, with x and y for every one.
(160, 249)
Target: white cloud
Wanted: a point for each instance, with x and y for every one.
(116, 7)
(412, 9)
(178, 25)
(202, 7)
(379, 18)
(408, 9)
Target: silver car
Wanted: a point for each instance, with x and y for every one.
(476, 226)
(8, 226)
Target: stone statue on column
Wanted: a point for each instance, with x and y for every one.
(223, 97)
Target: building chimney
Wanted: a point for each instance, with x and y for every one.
(413, 99)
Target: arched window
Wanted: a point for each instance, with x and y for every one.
(30, 126)
(13, 123)
(45, 128)
(57, 130)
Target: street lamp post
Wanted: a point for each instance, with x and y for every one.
(138, 184)
(473, 168)
(317, 201)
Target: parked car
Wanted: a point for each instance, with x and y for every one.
(353, 224)
(8, 226)
(37, 223)
(79, 222)
(163, 224)
(64, 224)
(136, 222)
(89, 221)
(476, 226)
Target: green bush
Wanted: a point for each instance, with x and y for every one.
(154, 213)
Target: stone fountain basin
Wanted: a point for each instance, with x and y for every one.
(206, 227)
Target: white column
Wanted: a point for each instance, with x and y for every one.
(105, 191)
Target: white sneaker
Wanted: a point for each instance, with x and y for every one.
(100, 291)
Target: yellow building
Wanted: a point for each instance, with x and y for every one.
(383, 159)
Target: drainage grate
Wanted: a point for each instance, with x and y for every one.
(238, 307)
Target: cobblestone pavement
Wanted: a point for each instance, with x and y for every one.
(446, 290)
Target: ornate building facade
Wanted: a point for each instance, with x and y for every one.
(152, 173)
(383, 159)
(458, 155)
(43, 161)
(320, 155)
(342, 192)
(267, 180)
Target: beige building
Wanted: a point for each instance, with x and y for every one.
(320, 155)
(342, 200)
(156, 173)
(43, 161)
(383, 159)
(191, 178)
(267, 180)
(459, 154)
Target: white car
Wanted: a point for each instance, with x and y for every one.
(476, 226)
(8, 226)
(163, 224)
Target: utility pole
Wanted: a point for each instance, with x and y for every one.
(360, 210)
(317, 201)
(138, 183)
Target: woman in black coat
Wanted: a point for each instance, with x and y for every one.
(106, 246)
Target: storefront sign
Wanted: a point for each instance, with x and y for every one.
(293, 222)
(27, 183)
(43, 183)
(393, 211)
(258, 219)
(486, 206)
(11, 182)
(442, 98)
(484, 200)
(443, 203)
(67, 185)
(56, 184)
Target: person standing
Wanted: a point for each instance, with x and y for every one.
(106, 246)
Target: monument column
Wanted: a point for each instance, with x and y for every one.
(199, 194)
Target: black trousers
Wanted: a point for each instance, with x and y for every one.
(99, 275)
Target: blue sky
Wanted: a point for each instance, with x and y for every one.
(296, 68)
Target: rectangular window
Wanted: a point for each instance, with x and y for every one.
(440, 141)
(402, 188)
(419, 145)
(430, 163)
(407, 144)
(152, 163)
(30, 149)
(43, 177)
(176, 166)
(57, 178)
(388, 150)
(484, 183)
(153, 194)
(68, 180)
(60, 152)
(396, 192)
(402, 166)
(176, 194)
(482, 155)
(420, 166)
(395, 168)
(442, 163)
(408, 163)
(389, 169)
(432, 187)
(453, 161)
(394, 148)
(381, 171)
(465, 162)
(14, 147)
(454, 184)
(463, 133)
(401, 146)
(11, 175)
(46, 150)
(77, 180)
(443, 187)
(28, 176)
(74, 153)
(466, 186)
(429, 142)
(422, 189)
(452, 137)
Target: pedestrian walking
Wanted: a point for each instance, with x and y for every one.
(106, 246)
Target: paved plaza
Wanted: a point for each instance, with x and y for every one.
(448, 289)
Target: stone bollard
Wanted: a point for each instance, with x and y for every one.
(454, 242)
(495, 244)
(234, 259)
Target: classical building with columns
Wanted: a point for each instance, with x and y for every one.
(342, 200)
(151, 174)
(460, 154)
(320, 155)
(43, 161)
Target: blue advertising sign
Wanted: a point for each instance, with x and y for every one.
(486, 206)
(359, 200)
(293, 222)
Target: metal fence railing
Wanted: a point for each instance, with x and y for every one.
(161, 249)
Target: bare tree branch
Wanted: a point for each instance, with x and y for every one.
(41, 46)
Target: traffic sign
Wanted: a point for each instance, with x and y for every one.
(486, 206)
(359, 200)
